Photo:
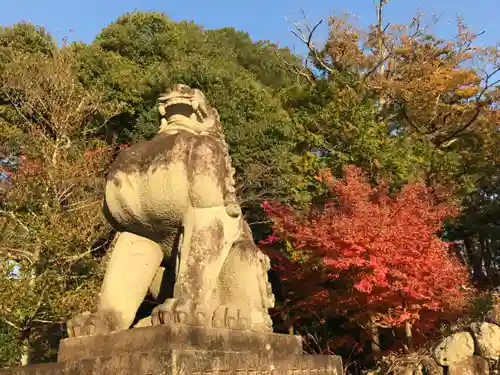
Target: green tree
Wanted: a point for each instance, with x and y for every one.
(436, 97)
(235, 73)
(63, 113)
(26, 37)
(49, 212)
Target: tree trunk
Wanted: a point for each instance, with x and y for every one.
(25, 352)
(381, 47)
(374, 338)
(476, 259)
(487, 255)
(408, 335)
(26, 346)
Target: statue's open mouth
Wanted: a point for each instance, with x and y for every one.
(179, 106)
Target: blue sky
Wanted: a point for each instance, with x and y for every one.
(262, 19)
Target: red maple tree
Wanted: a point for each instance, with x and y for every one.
(368, 254)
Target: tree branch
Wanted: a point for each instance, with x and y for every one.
(8, 322)
(307, 40)
(307, 74)
(13, 217)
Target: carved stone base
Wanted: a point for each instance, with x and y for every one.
(184, 350)
(180, 337)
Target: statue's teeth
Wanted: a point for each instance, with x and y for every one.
(195, 105)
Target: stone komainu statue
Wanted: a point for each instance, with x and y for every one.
(175, 194)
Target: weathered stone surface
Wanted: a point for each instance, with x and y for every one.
(198, 363)
(487, 337)
(412, 370)
(175, 194)
(189, 362)
(454, 348)
(430, 367)
(471, 366)
(183, 337)
(129, 364)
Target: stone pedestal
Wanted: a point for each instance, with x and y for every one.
(184, 350)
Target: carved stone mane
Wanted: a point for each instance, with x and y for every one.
(203, 119)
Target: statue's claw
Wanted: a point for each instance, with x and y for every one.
(231, 317)
(164, 313)
(87, 324)
(180, 311)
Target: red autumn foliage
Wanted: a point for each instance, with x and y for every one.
(368, 253)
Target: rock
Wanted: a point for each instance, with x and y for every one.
(411, 370)
(488, 339)
(471, 366)
(454, 348)
(430, 367)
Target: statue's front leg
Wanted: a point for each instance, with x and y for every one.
(209, 234)
(210, 229)
(133, 264)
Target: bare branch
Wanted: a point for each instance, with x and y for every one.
(306, 73)
(11, 215)
(9, 251)
(43, 321)
(477, 110)
(8, 322)
(306, 38)
(77, 257)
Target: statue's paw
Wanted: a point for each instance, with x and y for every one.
(231, 317)
(180, 311)
(263, 325)
(263, 328)
(164, 313)
(78, 325)
(88, 324)
(202, 316)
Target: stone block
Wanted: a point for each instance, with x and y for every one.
(471, 366)
(184, 350)
(153, 363)
(454, 349)
(487, 337)
(165, 337)
(189, 362)
(430, 367)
